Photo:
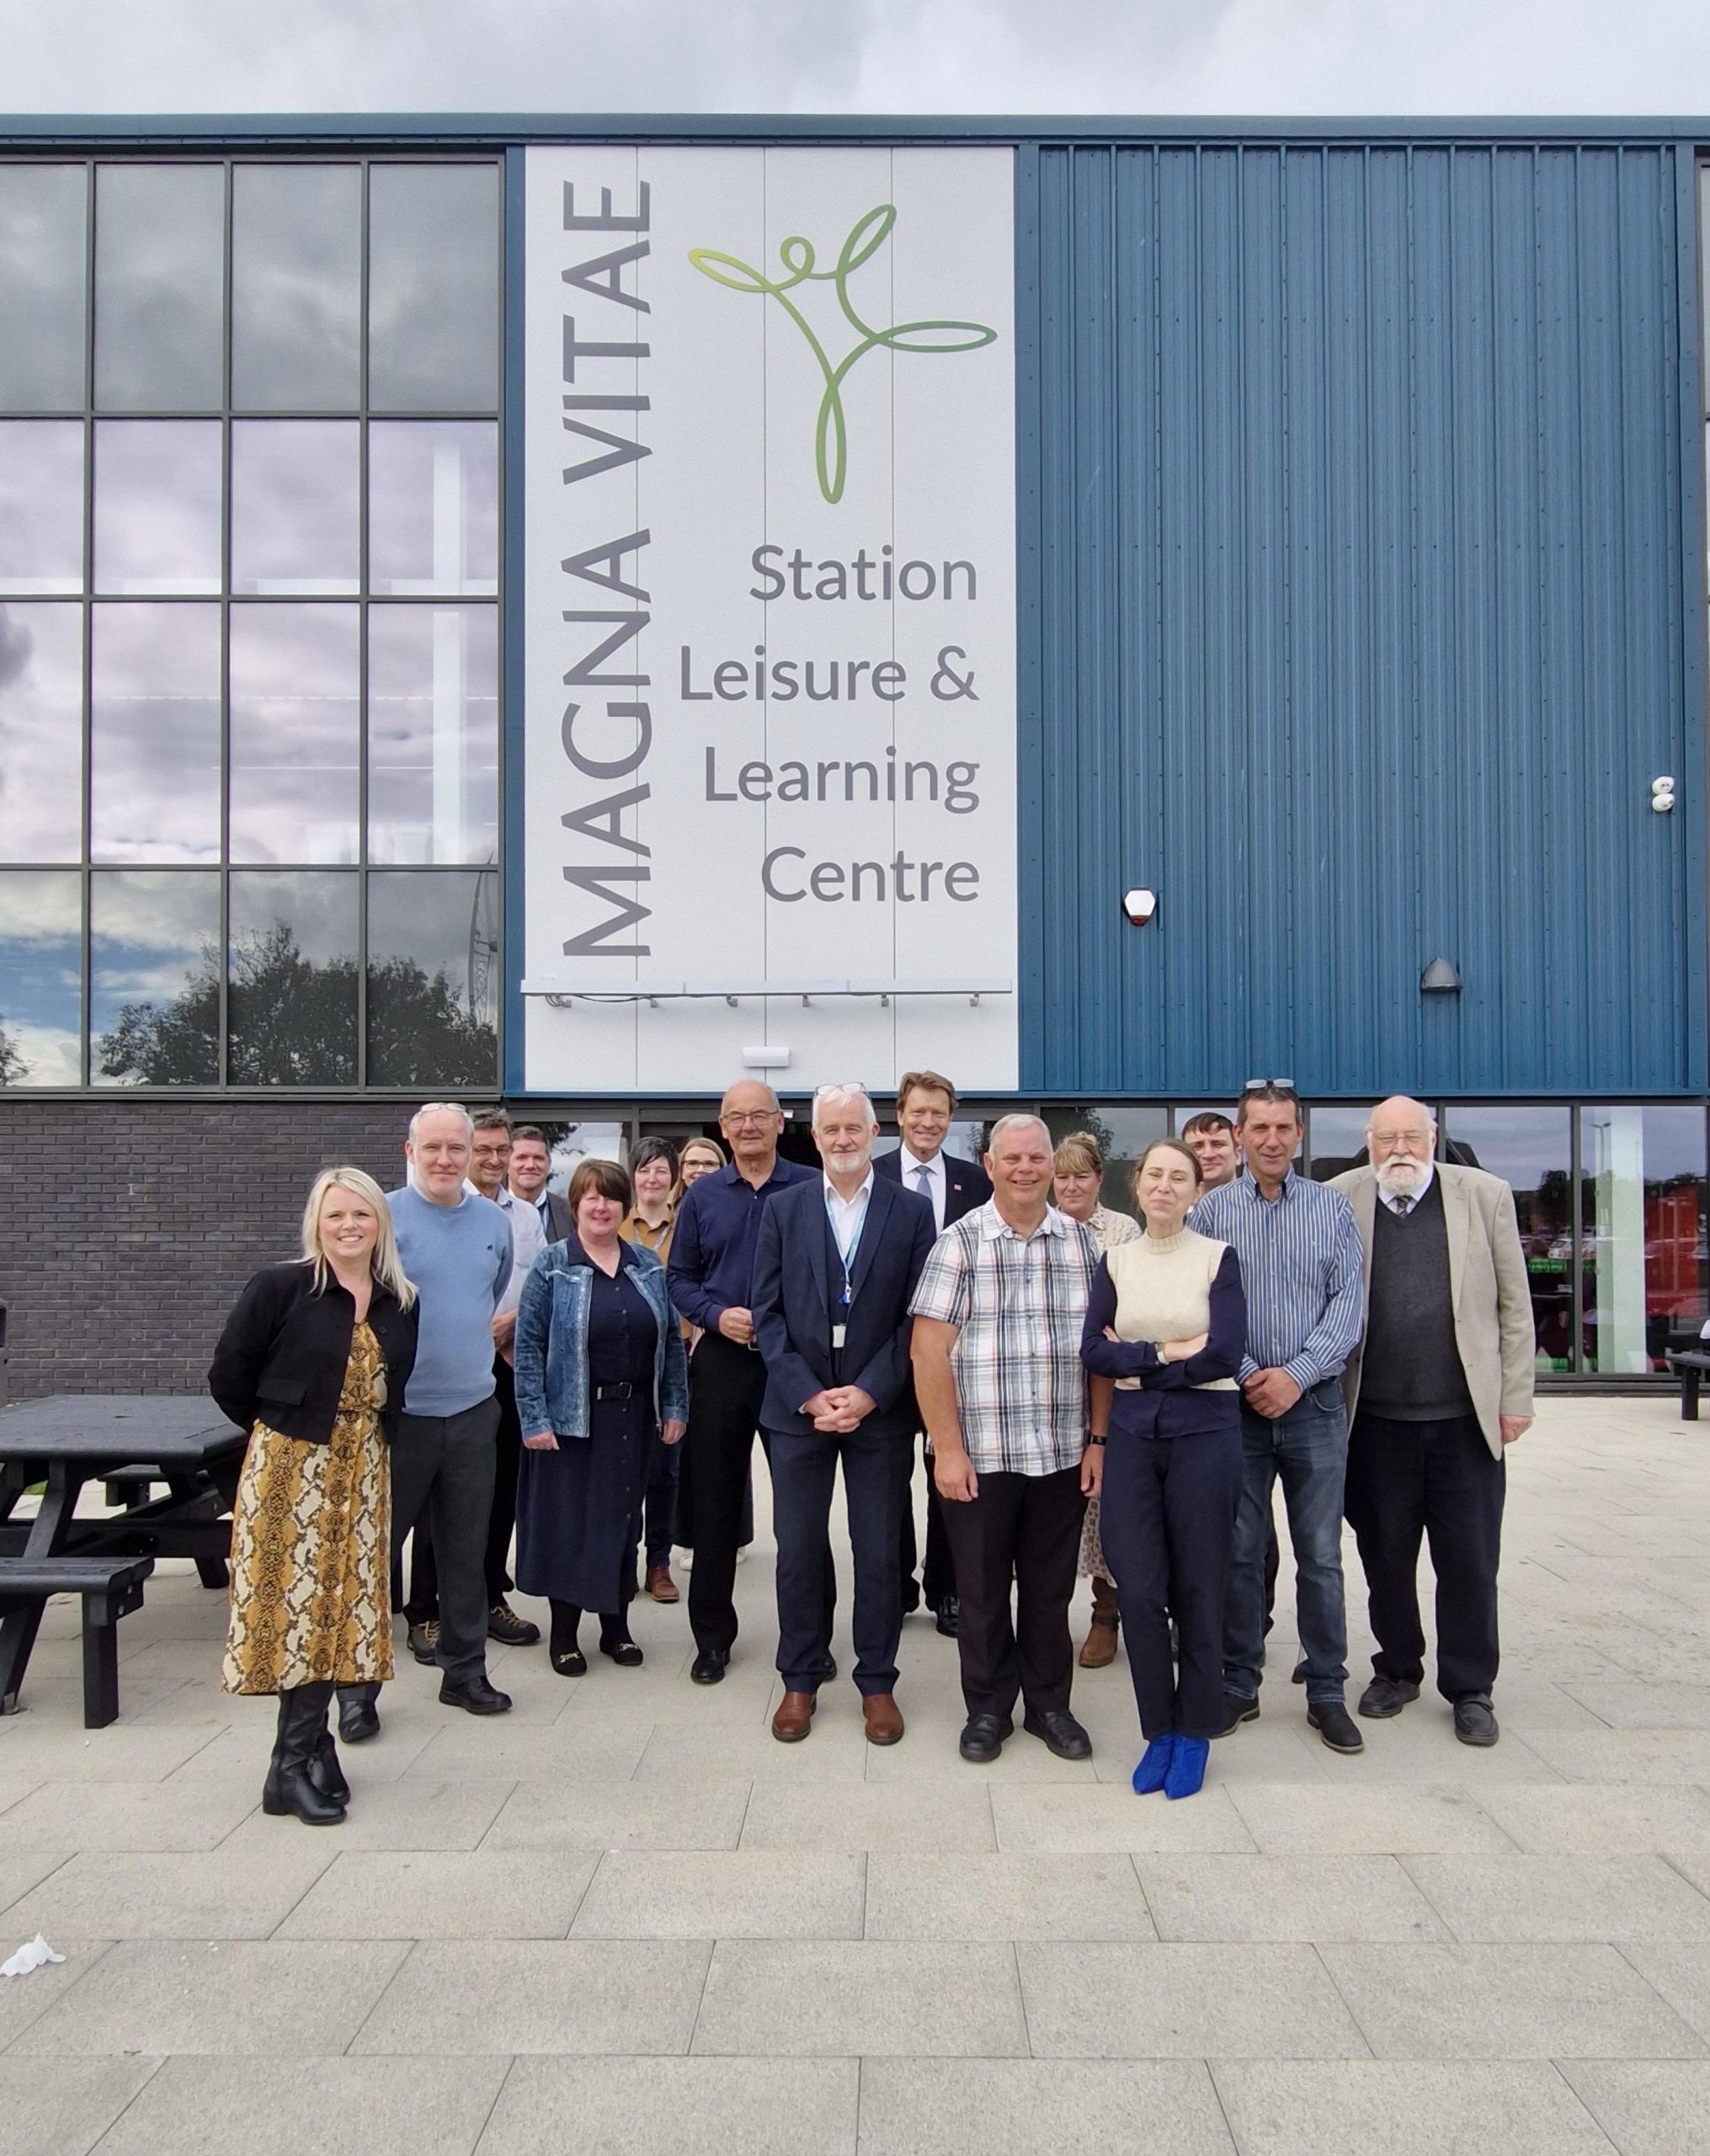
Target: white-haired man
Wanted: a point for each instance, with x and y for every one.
(456, 1245)
(1441, 1385)
(836, 1266)
(1016, 1436)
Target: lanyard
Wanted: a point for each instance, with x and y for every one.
(846, 1258)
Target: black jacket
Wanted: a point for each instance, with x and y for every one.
(966, 1183)
(282, 1358)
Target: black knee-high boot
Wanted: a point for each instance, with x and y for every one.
(290, 1785)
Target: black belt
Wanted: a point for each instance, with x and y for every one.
(624, 1392)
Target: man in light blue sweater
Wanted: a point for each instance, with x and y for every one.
(456, 1245)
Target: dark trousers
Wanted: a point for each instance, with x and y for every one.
(423, 1602)
(938, 1576)
(875, 1475)
(1167, 1520)
(1307, 1451)
(442, 1474)
(725, 1385)
(1437, 1480)
(660, 1503)
(1022, 1530)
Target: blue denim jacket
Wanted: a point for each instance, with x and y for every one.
(551, 1340)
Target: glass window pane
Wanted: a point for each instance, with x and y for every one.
(154, 978)
(1123, 1133)
(41, 977)
(297, 696)
(41, 732)
(433, 288)
(291, 999)
(1531, 1148)
(159, 276)
(1338, 1140)
(433, 733)
(432, 506)
(297, 287)
(432, 980)
(41, 505)
(44, 259)
(295, 488)
(1643, 1204)
(155, 734)
(157, 505)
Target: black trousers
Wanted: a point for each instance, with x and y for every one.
(1438, 1480)
(938, 1576)
(725, 1385)
(875, 1472)
(1167, 1520)
(424, 1601)
(1022, 1530)
(442, 1474)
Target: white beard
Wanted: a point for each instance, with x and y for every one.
(1400, 1177)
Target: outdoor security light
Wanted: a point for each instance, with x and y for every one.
(1662, 795)
(1139, 906)
(1440, 978)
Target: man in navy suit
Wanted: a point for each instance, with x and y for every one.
(835, 1265)
(925, 1103)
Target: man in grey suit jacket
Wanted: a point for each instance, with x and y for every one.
(1441, 1384)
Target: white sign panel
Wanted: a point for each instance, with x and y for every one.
(771, 638)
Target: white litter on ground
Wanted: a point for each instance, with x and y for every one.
(30, 1955)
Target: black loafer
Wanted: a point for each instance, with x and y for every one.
(949, 1617)
(1059, 1733)
(1335, 1725)
(982, 1738)
(357, 1720)
(1385, 1696)
(1239, 1707)
(1474, 1722)
(709, 1666)
(476, 1696)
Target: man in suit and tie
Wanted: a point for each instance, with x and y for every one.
(835, 1265)
(1440, 1387)
(925, 1103)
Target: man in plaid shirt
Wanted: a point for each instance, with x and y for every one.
(997, 1317)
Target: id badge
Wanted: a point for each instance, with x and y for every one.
(839, 1333)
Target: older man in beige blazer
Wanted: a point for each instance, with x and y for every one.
(1441, 1384)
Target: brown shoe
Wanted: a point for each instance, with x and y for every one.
(794, 1719)
(884, 1722)
(1100, 1649)
(661, 1585)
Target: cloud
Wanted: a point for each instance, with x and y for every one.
(1127, 56)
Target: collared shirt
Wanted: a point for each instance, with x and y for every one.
(1019, 1303)
(1302, 1269)
(528, 1239)
(635, 1228)
(847, 1215)
(1402, 1202)
(936, 1188)
(713, 1241)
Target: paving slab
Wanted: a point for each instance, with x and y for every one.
(1537, 1900)
(687, 2106)
(1279, 1899)
(1040, 2107)
(1019, 1895)
(585, 1996)
(690, 1751)
(859, 1816)
(26, 1999)
(1179, 2000)
(1111, 1818)
(284, 2107)
(1654, 2107)
(496, 1749)
(803, 1998)
(620, 1815)
(1372, 1818)
(1508, 2002)
(1582, 1821)
(128, 1894)
(724, 1894)
(443, 1894)
(404, 1814)
(130, 1815)
(65, 2113)
(1682, 1974)
(1351, 2107)
(1627, 1704)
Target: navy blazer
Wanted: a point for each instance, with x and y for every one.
(965, 1184)
(797, 1301)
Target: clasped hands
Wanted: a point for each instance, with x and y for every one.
(839, 1408)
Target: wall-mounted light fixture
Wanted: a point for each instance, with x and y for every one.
(765, 1058)
(1440, 978)
(1662, 795)
(1139, 907)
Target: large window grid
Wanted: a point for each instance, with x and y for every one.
(418, 983)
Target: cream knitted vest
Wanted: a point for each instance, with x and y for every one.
(1163, 1291)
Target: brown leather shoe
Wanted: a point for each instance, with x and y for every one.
(884, 1722)
(661, 1585)
(794, 1719)
(1100, 1649)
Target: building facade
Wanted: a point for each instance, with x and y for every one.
(418, 541)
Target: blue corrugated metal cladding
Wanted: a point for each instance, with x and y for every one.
(1357, 618)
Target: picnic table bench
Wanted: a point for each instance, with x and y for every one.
(131, 1442)
(1690, 1365)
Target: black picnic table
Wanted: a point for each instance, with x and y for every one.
(130, 1441)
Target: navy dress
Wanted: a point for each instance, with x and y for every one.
(577, 1508)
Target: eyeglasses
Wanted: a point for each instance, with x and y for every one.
(738, 1119)
(1268, 1086)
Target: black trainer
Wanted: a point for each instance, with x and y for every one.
(423, 1641)
(504, 1625)
(1385, 1696)
(1336, 1725)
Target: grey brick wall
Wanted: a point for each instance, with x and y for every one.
(128, 1226)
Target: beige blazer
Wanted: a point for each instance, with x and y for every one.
(1494, 1327)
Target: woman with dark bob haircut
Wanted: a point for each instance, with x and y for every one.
(601, 1378)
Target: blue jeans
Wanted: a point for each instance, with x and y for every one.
(1308, 1448)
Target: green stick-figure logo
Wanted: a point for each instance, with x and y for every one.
(797, 254)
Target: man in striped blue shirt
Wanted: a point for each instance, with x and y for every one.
(1301, 1268)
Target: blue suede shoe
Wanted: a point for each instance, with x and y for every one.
(1187, 1769)
(1153, 1770)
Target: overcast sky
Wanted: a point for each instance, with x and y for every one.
(1134, 56)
